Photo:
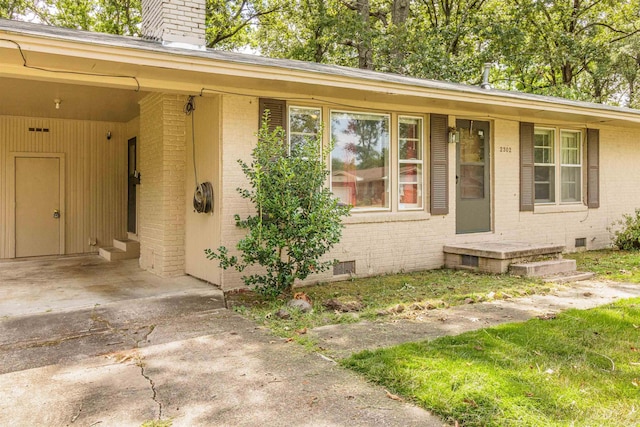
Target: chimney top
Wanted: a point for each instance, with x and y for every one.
(177, 23)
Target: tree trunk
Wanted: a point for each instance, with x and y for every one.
(400, 12)
(567, 74)
(365, 54)
(399, 16)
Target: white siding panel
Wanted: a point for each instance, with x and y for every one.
(96, 181)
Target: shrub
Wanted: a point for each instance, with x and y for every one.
(626, 232)
(296, 220)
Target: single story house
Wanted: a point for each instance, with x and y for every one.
(98, 141)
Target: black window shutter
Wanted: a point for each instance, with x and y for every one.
(593, 168)
(527, 168)
(277, 112)
(439, 150)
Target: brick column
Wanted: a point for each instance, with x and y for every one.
(162, 190)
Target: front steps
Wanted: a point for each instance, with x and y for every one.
(521, 259)
(121, 249)
(492, 257)
(543, 268)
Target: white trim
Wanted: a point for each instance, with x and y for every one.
(421, 162)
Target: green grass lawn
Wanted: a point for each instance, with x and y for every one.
(397, 295)
(579, 369)
(620, 266)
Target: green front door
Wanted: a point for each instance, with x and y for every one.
(473, 199)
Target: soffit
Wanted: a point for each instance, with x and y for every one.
(34, 98)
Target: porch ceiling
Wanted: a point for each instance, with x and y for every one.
(35, 98)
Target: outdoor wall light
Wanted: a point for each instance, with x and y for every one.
(57, 102)
(108, 135)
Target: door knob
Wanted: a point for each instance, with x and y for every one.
(56, 213)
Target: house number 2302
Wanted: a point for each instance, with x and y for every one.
(505, 149)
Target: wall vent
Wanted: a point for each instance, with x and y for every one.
(345, 267)
(45, 130)
(470, 260)
(581, 242)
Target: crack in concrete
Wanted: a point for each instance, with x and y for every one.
(144, 374)
(153, 388)
(37, 343)
(124, 332)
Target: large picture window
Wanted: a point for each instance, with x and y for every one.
(410, 163)
(558, 165)
(360, 159)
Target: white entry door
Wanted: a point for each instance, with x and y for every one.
(38, 211)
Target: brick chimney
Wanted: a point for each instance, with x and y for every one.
(179, 23)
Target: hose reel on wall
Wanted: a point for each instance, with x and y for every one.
(203, 193)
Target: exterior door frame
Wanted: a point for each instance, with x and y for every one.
(133, 180)
(11, 196)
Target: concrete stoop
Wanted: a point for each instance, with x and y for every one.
(493, 257)
(121, 249)
(517, 258)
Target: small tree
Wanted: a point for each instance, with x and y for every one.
(296, 220)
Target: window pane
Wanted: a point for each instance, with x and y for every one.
(360, 159)
(571, 184)
(570, 148)
(471, 146)
(410, 138)
(471, 182)
(304, 124)
(543, 146)
(410, 196)
(545, 184)
(304, 120)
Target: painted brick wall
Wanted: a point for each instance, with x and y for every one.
(239, 125)
(174, 21)
(393, 242)
(162, 189)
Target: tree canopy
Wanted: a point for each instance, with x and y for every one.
(578, 49)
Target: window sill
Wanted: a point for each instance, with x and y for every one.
(545, 209)
(381, 217)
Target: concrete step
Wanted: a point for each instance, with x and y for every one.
(111, 253)
(543, 268)
(574, 276)
(128, 245)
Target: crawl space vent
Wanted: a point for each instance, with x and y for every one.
(469, 260)
(581, 242)
(346, 267)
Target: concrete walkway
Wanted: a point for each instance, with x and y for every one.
(343, 340)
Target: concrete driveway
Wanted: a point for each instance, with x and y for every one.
(84, 342)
